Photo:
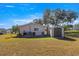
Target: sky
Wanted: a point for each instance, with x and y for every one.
(23, 13)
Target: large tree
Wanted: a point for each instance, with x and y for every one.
(56, 17)
(46, 19)
(59, 16)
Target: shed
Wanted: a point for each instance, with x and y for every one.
(56, 31)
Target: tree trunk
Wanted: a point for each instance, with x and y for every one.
(47, 31)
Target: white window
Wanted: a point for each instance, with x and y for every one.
(36, 29)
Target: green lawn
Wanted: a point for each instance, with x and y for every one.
(9, 45)
(73, 33)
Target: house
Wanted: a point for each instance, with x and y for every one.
(8, 31)
(2, 31)
(32, 29)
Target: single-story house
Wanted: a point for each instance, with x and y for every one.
(33, 29)
(9, 31)
(2, 31)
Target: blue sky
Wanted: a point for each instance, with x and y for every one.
(23, 13)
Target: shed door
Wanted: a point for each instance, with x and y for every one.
(57, 32)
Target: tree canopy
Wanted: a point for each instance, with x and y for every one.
(59, 16)
(15, 29)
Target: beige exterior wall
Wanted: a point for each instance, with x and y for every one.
(24, 28)
(40, 29)
(30, 28)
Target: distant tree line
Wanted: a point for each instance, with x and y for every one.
(15, 29)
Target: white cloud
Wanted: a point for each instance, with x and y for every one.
(1, 24)
(4, 26)
(10, 6)
(76, 21)
(27, 20)
(24, 4)
(33, 16)
(36, 16)
(31, 8)
(22, 21)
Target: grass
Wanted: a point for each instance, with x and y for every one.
(77, 31)
(73, 33)
(9, 45)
